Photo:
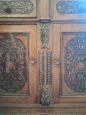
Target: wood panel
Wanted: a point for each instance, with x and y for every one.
(67, 33)
(44, 12)
(20, 81)
(18, 8)
(68, 10)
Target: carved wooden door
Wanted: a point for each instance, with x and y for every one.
(70, 63)
(18, 64)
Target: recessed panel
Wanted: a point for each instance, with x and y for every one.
(13, 63)
(73, 64)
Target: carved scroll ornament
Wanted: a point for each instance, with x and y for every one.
(71, 7)
(75, 63)
(16, 7)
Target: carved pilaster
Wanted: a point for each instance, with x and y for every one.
(45, 57)
(45, 62)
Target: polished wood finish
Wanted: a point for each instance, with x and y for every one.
(44, 13)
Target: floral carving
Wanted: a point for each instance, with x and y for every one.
(45, 96)
(75, 63)
(71, 7)
(16, 7)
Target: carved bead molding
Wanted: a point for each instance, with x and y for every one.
(71, 7)
(45, 60)
(16, 7)
(42, 113)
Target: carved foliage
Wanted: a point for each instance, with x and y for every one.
(45, 34)
(75, 63)
(16, 7)
(71, 7)
(12, 63)
(45, 99)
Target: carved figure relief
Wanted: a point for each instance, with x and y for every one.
(75, 63)
(45, 34)
(12, 63)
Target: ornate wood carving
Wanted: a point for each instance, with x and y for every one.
(44, 34)
(45, 96)
(16, 7)
(41, 68)
(49, 67)
(12, 63)
(71, 7)
(45, 57)
(75, 62)
(45, 61)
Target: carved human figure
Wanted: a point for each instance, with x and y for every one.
(8, 64)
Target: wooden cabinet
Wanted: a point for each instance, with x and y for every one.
(42, 57)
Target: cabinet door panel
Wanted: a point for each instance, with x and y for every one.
(17, 72)
(69, 71)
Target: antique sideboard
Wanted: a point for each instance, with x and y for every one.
(43, 57)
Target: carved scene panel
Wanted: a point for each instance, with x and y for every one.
(73, 64)
(13, 63)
